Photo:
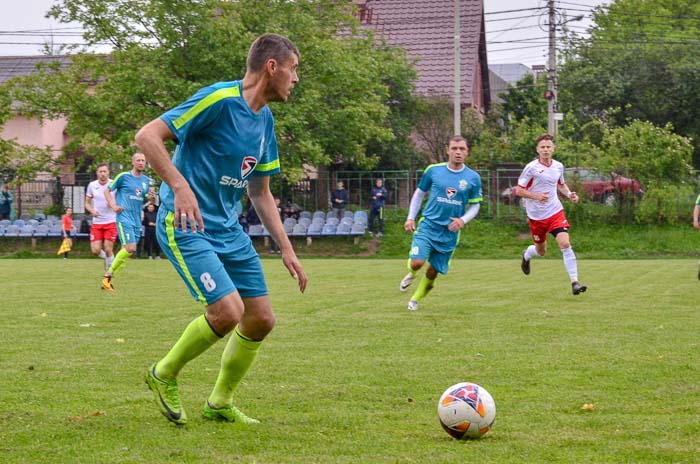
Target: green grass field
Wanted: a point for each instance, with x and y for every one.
(349, 375)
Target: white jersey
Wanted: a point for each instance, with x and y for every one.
(538, 178)
(96, 191)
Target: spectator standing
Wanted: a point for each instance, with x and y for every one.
(538, 184)
(67, 229)
(5, 202)
(150, 243)
(455, 199)
(376, 210)
(103, 231)
(339, 199)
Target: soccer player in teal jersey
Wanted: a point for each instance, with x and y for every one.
(225, 145)
(454, 199)
(131, 187)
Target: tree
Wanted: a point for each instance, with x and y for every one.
(163, 50)
(641, 62)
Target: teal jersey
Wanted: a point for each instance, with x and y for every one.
(131, 192)
(450, 193)
(697, 200)
(221, 143)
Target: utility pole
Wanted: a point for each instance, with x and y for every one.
(457, 115)
(552, 71)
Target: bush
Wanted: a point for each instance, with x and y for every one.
(665, 204)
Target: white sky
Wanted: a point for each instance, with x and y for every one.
(522, 27)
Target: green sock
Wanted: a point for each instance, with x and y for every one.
(119, 262)
(239, 354)
(195, 340)
(424, 287)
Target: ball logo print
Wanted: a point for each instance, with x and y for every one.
(248, 165)
(466, 410)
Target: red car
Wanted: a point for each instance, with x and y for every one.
(591, 185)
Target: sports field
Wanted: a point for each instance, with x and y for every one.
(349, 375)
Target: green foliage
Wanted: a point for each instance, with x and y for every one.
(664, 203)
(646, 152)
(166, 49)
(525, 100)
(641, 61)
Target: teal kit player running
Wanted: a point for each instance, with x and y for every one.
(452, 188)
(226, 146)
(131, 189)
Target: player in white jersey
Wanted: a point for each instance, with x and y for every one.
(103, 232)
(538, 184)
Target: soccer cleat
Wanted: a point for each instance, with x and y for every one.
(227, 413)
(412, 305)
(107, 283)
(525, 265)
(577, 288)
(698, 271)
(406, 282)
(166, 397)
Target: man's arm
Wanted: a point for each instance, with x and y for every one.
(110, 202)
(89, 208)
(568, 193)
(264, 203)
(414, 207)
(151, 141)
(696, 215)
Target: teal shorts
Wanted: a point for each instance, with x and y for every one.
(128, 233)
(434, 245)
(212, 264)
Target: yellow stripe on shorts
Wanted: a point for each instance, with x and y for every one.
(170, 231)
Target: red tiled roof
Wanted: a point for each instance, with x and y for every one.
(425, 29)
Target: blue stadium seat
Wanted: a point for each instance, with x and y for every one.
(12, 231)
(305, 220)
(40, 217)
(314, 229)
(346, 220)
(358, 229)
(42, 230)
(343, 229)
(332, 221)
(359, 214)
(305, 214)
(319, 214)
(299, 230)
(328, 229)
(55, 230)
(348, 214)
(19, 223)
(291, 222)
(288, 226)
(361, 221)
(26, 231)
(321, 221)
(5, 222)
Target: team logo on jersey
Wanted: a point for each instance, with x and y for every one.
(463, 184)
(143, 185)
(248, 165)
(138, 191)
(451, 191)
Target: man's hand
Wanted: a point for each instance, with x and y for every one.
(187, 210)
(296, 270)
(455, 224)
(410, 225)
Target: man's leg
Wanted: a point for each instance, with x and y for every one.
(241, 350)
(425, 285)
(570, 262)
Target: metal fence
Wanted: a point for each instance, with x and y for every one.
(314, 192)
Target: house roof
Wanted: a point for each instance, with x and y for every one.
(426, 31)
(510, 72)
(17, 66)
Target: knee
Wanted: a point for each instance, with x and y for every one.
(417, 264)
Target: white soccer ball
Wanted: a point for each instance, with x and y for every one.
(466, 410)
